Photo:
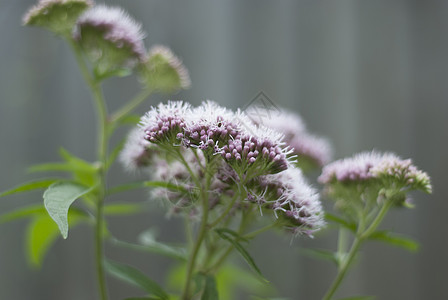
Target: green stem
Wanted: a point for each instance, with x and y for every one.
(256, 232)
(360, 237)
(344, 268)
(102, 157)
(130, 106)
(186, 294)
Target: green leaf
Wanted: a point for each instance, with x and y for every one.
(41, 234)
(116, 209)
(142, 184)
(148, 239)
(395, 240)
(131, 119)
(142, 298)
(31, 211)
(30, 185)
(321, 254)
(210, 290)
(135, 277)
(23, 212)
(115, 152)
(58, 198)
(340, 221)
(159, 248)
(233, 238)
(359, 298)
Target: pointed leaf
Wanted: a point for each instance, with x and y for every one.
(159, 248)
(142, 298)
(32, 211)
(395, 240)
(58, 198)
(23, 212)
(359, 298)
(30, 185)
(233, 239)
(83, 171)
(142, 184)
(340, 221)
(135, 277)
(210, 290)
(321, 254)
(116, 209)
(148, 239)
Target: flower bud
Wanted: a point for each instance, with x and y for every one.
(112, 40)
(162, 71)
(58, 16)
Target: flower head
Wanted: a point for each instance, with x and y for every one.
(163, 71)
(111, 38)
(165, 123)
(58, 16)
(292, 199)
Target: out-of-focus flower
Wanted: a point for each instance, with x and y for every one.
(58, 16)
(311, 151)
(137, 151)
(291, 198)
(112, 40)
(371, 177)
(163, 71)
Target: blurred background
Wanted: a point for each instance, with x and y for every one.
(365, 74)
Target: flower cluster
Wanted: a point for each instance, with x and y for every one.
(137, 153)
(164, 124)
(242, 154)
(291, 198)
(250, 149)
(311, 150)
(371, 177)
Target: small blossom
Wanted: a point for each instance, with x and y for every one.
(356, 168)
(111, 38)
(315, 149)
(137, 152)
(163, 71)
(58, 16)
(258, 149)
(289, 124)
(292, 199)
(165, 123)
